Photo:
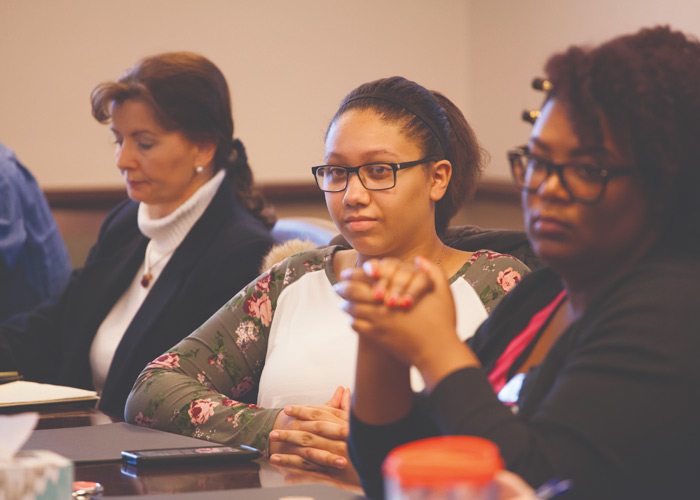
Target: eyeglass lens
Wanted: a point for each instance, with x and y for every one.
(581, 181)
(376, 176)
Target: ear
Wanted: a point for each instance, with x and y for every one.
(204, 153)
(440, 174)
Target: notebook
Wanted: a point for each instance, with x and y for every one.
(24, 393)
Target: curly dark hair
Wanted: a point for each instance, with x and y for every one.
(646, 87)
(457, 142)
(188, 93)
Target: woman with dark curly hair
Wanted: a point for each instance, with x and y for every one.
(589, 369)
(192, 233)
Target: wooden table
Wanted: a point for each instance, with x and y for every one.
(121, 479)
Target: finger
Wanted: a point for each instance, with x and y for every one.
(400, 284)
(324, 413)
(434, 273)
(419, 285)
(383, 270)
(310, 440)
(364, 327)
(358, 274)
(345, 400)
(309, 459)
(355, 291)
(361, 310)
(336, 398)
(329, 430)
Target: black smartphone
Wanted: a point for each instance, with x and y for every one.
(202, 454)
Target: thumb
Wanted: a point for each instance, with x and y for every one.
(434, 273)
(336, 400)
(345, 401)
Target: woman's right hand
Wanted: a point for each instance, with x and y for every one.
(314, 437)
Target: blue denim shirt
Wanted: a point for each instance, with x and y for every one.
(34, 262)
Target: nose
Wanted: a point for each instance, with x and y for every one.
(123, 154)
(355, 192)
(552, 187)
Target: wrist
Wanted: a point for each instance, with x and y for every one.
(442, 359)
(281, 422)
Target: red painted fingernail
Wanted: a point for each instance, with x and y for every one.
(406, 302)
(391, 301)
(373, 271)
(378, 293)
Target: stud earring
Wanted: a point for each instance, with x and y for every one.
(199, 169)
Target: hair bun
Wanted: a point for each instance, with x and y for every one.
(238, 151)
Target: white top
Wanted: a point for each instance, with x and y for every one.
(166, 234)
(306, 360)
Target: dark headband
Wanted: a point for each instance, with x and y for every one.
(429, 123)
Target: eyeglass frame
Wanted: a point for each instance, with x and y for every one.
(606, 173)
(395, 167)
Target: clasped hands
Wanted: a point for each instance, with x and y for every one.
(314, 438)
(404, 309)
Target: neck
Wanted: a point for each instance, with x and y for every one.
(584, 284)
(433, 250)
(158, 211)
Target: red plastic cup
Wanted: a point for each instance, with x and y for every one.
(447, 467)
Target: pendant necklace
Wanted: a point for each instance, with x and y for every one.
(148, 276)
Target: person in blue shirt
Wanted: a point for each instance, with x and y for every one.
(34, 263)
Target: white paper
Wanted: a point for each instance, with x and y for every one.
(22, 392)
(16, 429)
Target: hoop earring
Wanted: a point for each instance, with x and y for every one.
(199, 169)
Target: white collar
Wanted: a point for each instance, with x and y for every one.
(168, 232)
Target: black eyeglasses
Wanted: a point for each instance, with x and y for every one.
(373, 176)
(584, 182)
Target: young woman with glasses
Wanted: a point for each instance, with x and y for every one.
(400, 161)
(594, 357)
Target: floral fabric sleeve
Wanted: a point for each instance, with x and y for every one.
(493, 275)
(206, 385)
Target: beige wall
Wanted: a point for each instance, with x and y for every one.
(289, 62)
(510, 40)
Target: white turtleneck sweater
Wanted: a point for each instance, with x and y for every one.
(166, 234)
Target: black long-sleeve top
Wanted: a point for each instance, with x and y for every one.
(615, 404)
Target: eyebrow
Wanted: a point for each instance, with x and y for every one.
(581, 151)
(367, 157)
(134, 133)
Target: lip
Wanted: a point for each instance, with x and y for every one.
(547, 224)
(360, 223)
